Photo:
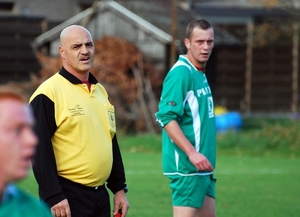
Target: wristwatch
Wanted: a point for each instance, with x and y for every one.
(126, 189)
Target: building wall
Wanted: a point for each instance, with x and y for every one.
(54, 10)
(115, 25)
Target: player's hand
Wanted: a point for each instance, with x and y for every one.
(120, 203)
(61, 209)
(200, 162)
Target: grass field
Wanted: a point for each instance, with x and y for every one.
(258, 172)
(246, 186)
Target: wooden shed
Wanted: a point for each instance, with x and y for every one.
(108, 18)
(146, 24)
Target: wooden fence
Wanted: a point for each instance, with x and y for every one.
(271, 86)
(17, 59)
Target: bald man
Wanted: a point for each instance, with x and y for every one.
(78, 151)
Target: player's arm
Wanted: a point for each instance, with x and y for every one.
(196, 158)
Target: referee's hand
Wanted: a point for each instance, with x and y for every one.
(61, 209)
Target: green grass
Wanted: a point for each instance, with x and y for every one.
(258, 138)
(249, 186)
(246, 186)
(257, 172)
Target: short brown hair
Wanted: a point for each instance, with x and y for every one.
(9, 93)
(202, 24)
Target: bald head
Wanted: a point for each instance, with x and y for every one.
(72, 30)
(77, 51)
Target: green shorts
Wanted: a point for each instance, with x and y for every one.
(191, 190)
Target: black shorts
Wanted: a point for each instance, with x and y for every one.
(86, 201)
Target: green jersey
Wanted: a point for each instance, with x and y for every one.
(16, 203)
(186, 98)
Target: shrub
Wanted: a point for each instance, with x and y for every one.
(263, 137)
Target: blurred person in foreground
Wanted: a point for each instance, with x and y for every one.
(186, 114)
(17, 147)
(78, 151)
